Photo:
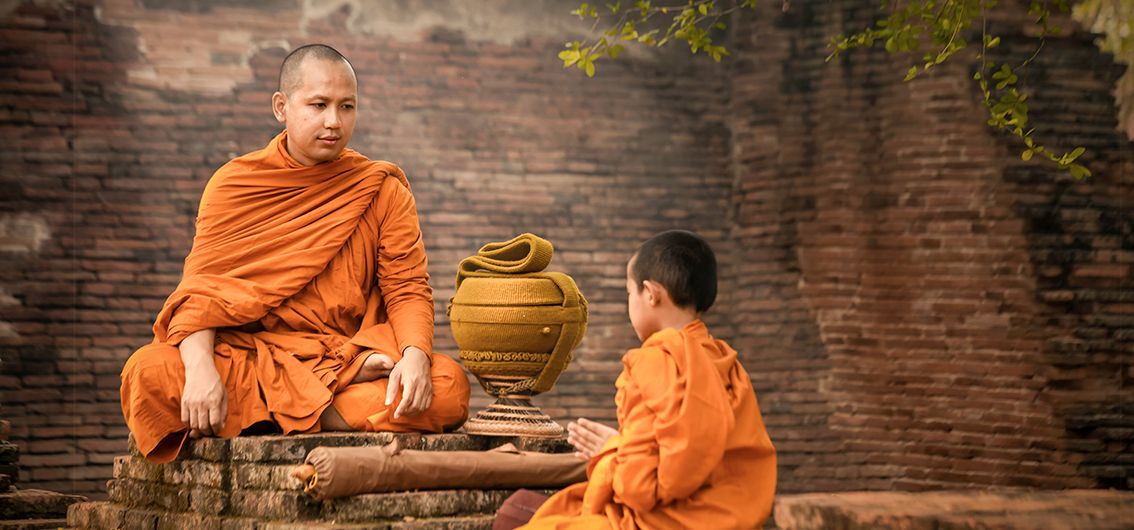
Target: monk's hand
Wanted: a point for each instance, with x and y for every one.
(204, 402)
(588, 437)
(412, 377)
(376, 365)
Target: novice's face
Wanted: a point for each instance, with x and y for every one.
(320, 113)
(639, 305)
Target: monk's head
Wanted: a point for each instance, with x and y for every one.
(316, 101)
(672, 273)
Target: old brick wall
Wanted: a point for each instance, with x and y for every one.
(115, 113)
(924, 309)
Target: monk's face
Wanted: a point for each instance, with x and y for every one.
(319, 114)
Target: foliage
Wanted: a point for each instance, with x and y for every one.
(936, 29)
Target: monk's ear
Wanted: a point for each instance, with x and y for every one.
(279, 104)
(655, 293)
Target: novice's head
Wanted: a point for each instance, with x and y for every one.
(316, 102)
(672, 276)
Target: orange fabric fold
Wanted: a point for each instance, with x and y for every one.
(303, 271)
(692, 450)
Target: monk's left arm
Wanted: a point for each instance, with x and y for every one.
(403, 277)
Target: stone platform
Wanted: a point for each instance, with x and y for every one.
(243, 483)
(958, 510)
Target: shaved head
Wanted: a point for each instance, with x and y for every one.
(291, 74)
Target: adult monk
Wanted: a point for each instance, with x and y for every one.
(305, 303)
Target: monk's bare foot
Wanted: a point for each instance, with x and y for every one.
(303, 473)
(375, 366)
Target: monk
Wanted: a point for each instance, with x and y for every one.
(691, 450)
(305, 303)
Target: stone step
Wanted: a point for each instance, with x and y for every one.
(99, 515)
(417, 504)
(33, 524)
(294, 448)
(295, 505)
(958, 510)
(35, 504)
(244, 482)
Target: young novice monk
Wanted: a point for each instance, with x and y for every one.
(691, 450)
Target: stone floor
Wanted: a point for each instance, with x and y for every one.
(958, 510)
(242, 483)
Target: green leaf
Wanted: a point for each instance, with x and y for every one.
(911, 73)
(590, 69)
(569, 57)
(1076, 153)
(703, 8)
(615, 50)
(1027, 154)
(1079, 171)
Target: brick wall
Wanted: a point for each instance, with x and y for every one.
(917, 307)
(924, 309)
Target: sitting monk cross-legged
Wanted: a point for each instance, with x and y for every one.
(304, 303)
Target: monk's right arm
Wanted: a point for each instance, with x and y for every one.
(204, 403)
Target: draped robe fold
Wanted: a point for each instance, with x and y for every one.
(691, 452)
(303, 271)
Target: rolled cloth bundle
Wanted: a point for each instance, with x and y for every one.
(515, 326)
(343, 471)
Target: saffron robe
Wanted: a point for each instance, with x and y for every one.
(303, 271)
(691, 451)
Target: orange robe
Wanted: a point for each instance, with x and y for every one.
(691, 451)
(303, 272)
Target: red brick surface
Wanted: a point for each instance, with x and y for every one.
(918, 307)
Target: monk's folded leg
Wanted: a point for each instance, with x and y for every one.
(363, 405)
(152, 381)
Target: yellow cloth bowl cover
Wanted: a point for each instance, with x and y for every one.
(511, 318)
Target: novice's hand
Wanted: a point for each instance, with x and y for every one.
(411, 375)
(588, 437)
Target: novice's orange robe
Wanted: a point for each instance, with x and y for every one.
(303, 271)
(691, 451)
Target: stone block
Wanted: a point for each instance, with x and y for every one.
(94, 515)
(260, 476)
(33, 524)
(9, 453)
(274, 505)
(417, 504)
(293, 449)
(956, 510)
(35, 504)
(143, 494)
